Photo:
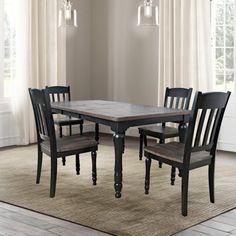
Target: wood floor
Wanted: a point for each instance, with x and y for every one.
(15, 221)
(222, 225)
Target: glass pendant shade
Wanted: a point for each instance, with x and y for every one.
(67, 16)
(147, 14)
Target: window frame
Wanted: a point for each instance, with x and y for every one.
(224, 47)
(1, 50)
(5, 101)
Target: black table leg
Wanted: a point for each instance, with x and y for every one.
(119, 148)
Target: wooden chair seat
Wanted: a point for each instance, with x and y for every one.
(71, 144)
(159, 131)
(174, 152)
(63, 120)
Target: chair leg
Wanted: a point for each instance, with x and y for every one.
(141, 147)
(63, 158)
(162, 141)
(211, 174)
(145, 140)
(81, 129)
(97, 132)
(145, 144)
(39, 166)
(63, 161)
(148, 163)
(173, 173)
(53, 176)
(94, 167)
(185, 180)
(77, 163)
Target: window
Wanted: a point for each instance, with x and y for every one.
(223, 44)
(7, 47)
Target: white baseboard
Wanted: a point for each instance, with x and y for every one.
(230, 147)
(9, 141)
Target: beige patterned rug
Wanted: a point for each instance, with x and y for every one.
(95, 206)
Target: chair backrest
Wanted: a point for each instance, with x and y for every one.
(178, 98)
(58, 93)
(205, 121)
(43, 116)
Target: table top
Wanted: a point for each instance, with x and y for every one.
(116, 111)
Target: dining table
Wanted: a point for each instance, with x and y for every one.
(120, 116)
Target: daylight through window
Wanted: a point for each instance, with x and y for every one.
(223, 44)
(8, 47)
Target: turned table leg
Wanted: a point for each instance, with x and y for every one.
(119, 149)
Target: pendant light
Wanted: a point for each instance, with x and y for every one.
(67, 16)
(147, 14)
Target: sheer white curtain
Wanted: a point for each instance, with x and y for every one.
(40, 49)
(184, 45)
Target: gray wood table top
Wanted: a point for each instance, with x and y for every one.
(117, 111)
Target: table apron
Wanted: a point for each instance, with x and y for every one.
(122, 126)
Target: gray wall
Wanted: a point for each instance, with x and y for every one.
(78, 52)
(109, 57)
(124, 56)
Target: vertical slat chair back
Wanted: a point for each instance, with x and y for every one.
(43, 116)
(205, 121)
(58, 93)
(178, 98)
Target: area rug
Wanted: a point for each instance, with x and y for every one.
(77, 200)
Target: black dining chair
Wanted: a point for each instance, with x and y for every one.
(55, 147)
(200, 147)
(61, 94)
(178, 98)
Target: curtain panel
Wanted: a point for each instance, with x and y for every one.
(40, 61)
(184, 45)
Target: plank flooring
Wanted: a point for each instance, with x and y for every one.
(16, 221)
(223, 225)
